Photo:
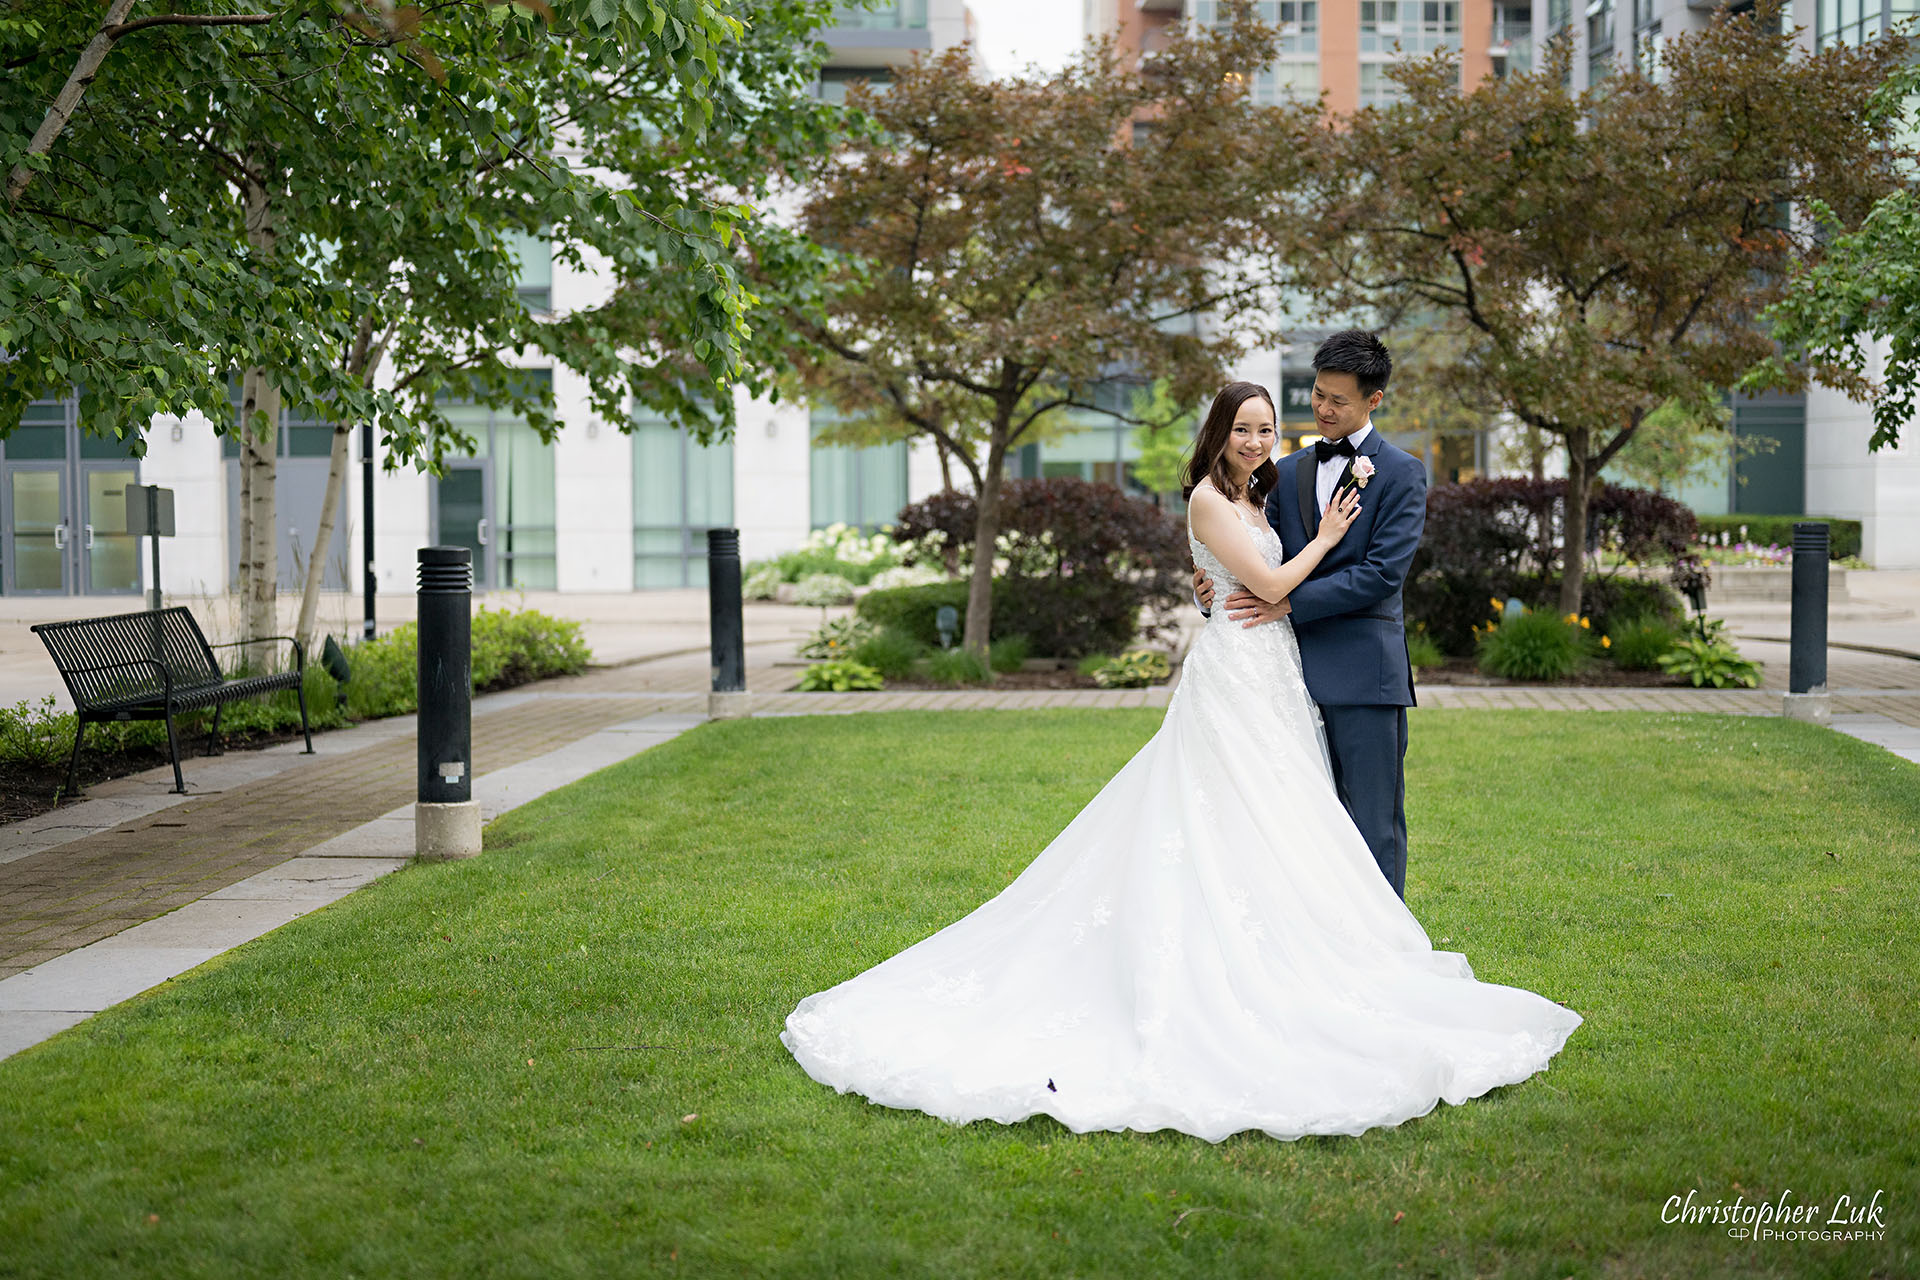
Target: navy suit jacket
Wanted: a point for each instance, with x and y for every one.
(1348, 613)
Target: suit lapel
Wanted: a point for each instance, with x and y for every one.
(1303, 476)
(1366, 449)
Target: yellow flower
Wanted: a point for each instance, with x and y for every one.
(1498, 604)
(1606, 642)
(1585, 625)
(1570, 619)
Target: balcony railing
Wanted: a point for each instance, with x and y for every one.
(899, 15)
(1510, 33)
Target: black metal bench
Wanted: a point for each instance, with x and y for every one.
(150, 666)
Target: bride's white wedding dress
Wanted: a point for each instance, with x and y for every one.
(1207, 947)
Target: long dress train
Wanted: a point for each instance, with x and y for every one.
(1208, 947)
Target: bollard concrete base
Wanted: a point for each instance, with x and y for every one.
(442, 832)
(729, 706)
(1815, 706)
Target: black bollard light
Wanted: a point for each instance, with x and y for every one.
(446, 819)
(726, 626)
(1807, 697)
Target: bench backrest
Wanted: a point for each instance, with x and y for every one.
(170, 636)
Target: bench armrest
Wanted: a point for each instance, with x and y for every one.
(299, 656)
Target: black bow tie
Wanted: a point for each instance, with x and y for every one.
(1324, 449)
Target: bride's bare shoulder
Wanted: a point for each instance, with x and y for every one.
(1205, 495)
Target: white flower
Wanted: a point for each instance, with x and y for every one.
(1362, 471)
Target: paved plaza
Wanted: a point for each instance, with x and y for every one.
(132, 885)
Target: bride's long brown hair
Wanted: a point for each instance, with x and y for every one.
(1210, 451)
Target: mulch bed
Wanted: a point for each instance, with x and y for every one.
(1601, 675)
(28, 790)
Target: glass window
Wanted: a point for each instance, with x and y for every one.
(1599, 40)
(535, 255)
(1409, 26)
(861, 487)
(1511, 41)
(524, 507)
(886, 15)
(523, 492)
(1376, 90)
(1858, 21)
(834, 81)
(681, 489)
(1297, 71)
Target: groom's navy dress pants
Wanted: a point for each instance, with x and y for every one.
(1368, 745)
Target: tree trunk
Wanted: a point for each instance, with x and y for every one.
(259, 554)
(243, 578)
(986, 536)
(323, 534)
(259, 451)
(363, 362)
(1573, 527)
(946, 465)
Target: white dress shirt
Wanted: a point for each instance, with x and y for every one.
(1329, 473)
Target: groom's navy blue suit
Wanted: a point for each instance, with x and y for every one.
(1352, 631)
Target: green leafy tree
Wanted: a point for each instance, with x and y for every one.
(1164, 438)
(1009, 245)
(329, 201)
(1863, 289)
(1601, 253)
(1676, 443)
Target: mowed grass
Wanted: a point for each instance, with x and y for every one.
(561, 1058)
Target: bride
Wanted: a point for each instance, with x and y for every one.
(1209, 946)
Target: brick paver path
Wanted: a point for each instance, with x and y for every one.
(76, 893)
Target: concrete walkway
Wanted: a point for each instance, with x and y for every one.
(108, 897)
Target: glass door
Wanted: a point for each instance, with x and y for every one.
(37, 552)
(109, 556)
(464, 516)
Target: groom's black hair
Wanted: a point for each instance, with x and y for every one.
(1359, 353)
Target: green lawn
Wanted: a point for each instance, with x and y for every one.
(487, 1068)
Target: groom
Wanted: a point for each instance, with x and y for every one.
(1347, 614)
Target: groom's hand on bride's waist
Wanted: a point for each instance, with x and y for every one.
(1249, 610)
(1203, 590)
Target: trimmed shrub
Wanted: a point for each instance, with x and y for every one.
(1076, 564)
(1070, 619)
(913, 611)
(1843, 535)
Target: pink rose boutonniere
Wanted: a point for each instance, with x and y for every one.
(1362, 471)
